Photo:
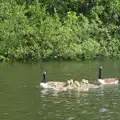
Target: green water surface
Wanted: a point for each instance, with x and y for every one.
(22, 99)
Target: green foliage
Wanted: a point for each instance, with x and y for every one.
(54, 29)
(90, 49)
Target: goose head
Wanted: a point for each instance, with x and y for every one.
(83, 81)
(86, 81)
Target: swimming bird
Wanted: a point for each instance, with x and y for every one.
(106, 80)
(50, 84)
(77, 83)
(70, 84)
(81, 86)
(89, 85)
(86, 86)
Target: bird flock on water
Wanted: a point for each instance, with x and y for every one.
(82, 85)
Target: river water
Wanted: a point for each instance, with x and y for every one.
(22, 99)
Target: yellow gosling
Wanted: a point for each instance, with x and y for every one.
(71, 81)
(77, 83)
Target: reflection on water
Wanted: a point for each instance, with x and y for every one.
(52, 92)
(22, 99)
(84, 105)
(103, 109)
(57, 93)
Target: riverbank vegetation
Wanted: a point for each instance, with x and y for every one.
(59, 29)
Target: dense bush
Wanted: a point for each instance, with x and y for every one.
(59, 29)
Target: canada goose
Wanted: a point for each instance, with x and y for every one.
(70, 84)
(106, 80)
(77, 86)
(77, 83)
(84, 83)
(81, 86)
(73, 85)
(50, 84)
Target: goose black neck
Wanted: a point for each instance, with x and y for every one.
(44, 78)
(100, 73)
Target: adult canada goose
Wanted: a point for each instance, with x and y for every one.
(50, 84)
(106, 80)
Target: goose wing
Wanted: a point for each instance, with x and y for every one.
(110, 80)
(93, 86)
(60, 84)
(56, 84)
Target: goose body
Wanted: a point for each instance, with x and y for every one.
(93, 86)
(51, 84)
(106, 80)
